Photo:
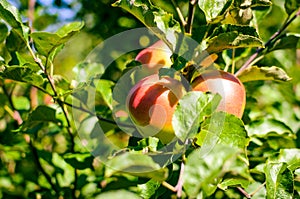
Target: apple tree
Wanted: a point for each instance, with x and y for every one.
(150, 99)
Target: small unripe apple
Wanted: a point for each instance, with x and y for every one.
(151, 104)
(155, 56)
(228, 86)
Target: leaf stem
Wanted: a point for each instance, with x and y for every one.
(191, 13)
(272, 38)
(180, 181)
(258, 188)
(96, 115)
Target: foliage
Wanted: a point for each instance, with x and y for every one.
(44, 108)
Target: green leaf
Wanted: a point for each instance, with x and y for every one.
(137, 165)
(156, 19)
(214, 9)
(290, 156)
(22, 74)
(47, 43)
(291, 6)
(287, 41)
(79, 161)
(233, 36)
(191, 111)
(104, 88)
(255, 73)
(233, 181)
(3, 32)
(68, 30)
(259, 3)
(261, 128)
(118, 194)
(43, 114)
(279, 181)
(12, 16)
(14, 42)
(222, 128)
(204, 172)
(149, 188)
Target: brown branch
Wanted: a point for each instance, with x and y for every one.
(268, 43)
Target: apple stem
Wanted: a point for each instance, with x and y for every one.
(274, 37)
(233, 61)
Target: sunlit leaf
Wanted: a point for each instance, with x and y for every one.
(204, 172)
(137, 165)
(12, 16)
(80, 160)
(279, 181)
(104, 87)
(255, 73)
(117, 194)
(22, 74)
(222, 128)
(261, 128)
(233, 36)
(151, 17)
(46, 43)
(214, 9)
(290, 156)
(149, 188)
(191, 111)
(256, 3)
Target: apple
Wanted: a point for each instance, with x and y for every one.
(151, 104)
(155, 56)
(228, 86)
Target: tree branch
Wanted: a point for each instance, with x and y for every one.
(272, 39)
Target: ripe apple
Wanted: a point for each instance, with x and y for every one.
(155, 56)
(228, 86)
(151, 104)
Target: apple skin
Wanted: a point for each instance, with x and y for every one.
(151, 104)
(155, 57)
(228, 86)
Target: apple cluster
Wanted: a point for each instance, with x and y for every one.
(152, 101)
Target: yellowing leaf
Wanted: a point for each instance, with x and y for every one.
(255, 73)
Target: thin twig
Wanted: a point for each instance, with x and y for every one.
(40, 167)
(191, 13)
(100, 118)
(244, 192)
(180, 181)
(272, 38)
(168, 186)
(180, 15)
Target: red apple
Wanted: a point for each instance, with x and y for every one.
(155, 56)
(228, 86)
(151, 104)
